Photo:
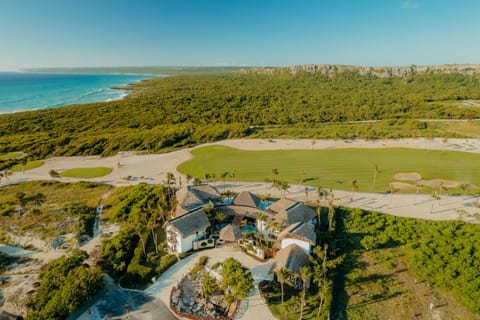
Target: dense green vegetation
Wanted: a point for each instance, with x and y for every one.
(47, 209)
(335, 168)
(10, 155)
(65, 285)
(136, 253)
(86, 173)
(446, 255)
(173, 112)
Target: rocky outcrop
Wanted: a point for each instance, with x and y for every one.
(382, 72)
(186, 302)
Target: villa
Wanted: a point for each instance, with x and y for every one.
(193, 197)
(291, 258)
(185, 229)
(289, 223)
(301, 234)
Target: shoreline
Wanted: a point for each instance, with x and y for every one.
(118, 87)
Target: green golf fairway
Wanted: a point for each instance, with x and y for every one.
(93, 172)
(335, 168)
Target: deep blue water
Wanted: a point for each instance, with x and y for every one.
(27, 91)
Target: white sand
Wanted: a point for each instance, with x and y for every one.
(152, 168)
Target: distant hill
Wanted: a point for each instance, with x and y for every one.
(169, 70)
(382, 72)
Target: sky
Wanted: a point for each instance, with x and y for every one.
(81, 33)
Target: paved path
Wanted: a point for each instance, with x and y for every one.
(152, 303)
(257, 309)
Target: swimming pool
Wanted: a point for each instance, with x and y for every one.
(264, 204)
(249, 228)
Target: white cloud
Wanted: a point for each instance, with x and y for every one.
(410, 5)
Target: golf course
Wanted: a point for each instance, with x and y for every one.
(335, 168)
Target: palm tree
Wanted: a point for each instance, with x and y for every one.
(302, 177)
(284, 187)
(354, 188)
(306, 195)
(321, 192)
(220, 217)
(275, 173)
(464, 187)
(305, 274)
(331, 212)
(224, 175)
(319, 211)
(376, 171)
(189, 177)
(282, 276)
(233, 175)
(207, 177)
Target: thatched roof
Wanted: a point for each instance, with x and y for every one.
(301, 231)
(296, 213)
(241, 210)
(190, 223)
(291, 258)
(246, 198)
(281, 205)
(194, 196)
(407, 176)
(230, 233)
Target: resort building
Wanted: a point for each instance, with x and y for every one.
(185, 229)
(247, 199)
(292, 258)
(293, 213)
(193, 197)
(301, 234)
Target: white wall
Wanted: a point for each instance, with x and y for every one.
(185, 244)
(306, 246)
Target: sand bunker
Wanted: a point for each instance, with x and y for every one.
(437, 183)
(407, 176)
(401, 186)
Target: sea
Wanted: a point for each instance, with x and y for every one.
(21, 91)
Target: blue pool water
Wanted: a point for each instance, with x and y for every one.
(264, 204)
(252, 229)
(21, 91)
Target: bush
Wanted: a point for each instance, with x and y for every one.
(166, 262)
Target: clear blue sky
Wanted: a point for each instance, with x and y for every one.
(49, 33)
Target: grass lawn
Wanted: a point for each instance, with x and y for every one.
(10, 155)
(93, 172)
(29, 166)
(335, 168)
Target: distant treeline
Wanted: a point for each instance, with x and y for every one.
(166, 113)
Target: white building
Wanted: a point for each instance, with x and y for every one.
(184, 230)
(302, 234)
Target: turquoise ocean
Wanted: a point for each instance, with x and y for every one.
(20, 91)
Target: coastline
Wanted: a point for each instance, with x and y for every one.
(100, 93)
